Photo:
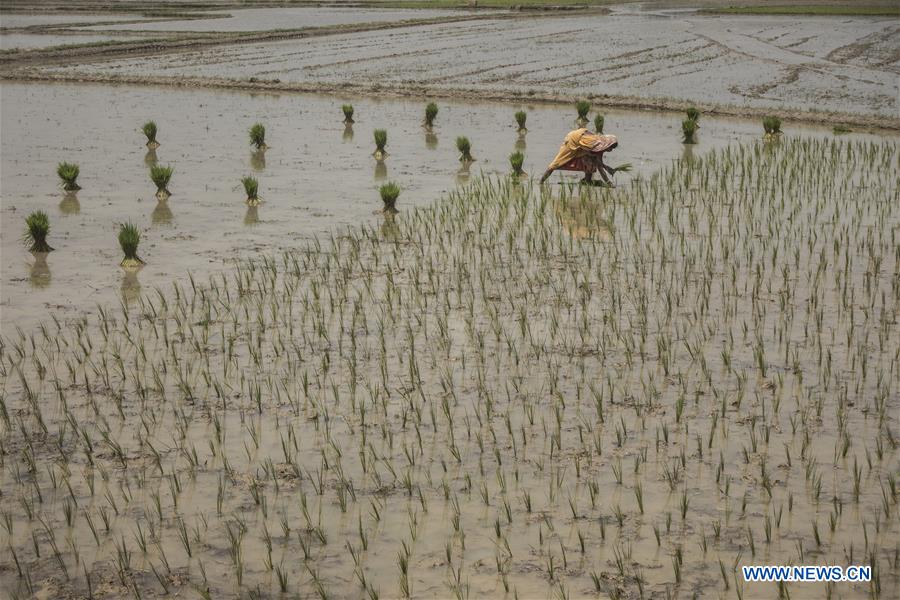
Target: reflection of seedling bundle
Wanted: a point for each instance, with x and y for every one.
(516, 160)
(521, 117)
(258, 136)
(68, 173)
(348, 113)
(129, 238)
(380, 143)
(160, 175)
(389, 193)
(689, 131)
(37, 226)
(150, 130)
(465, 149)
(251, 187)
(431, 112)
(771, 126)
(599, 121)
(583, 107)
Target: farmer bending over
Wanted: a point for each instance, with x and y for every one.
(587, 146)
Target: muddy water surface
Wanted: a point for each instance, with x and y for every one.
(318, 176)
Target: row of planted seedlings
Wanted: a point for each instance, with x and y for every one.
(38, 225)
(518, 392)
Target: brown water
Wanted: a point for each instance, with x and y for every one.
(316, 177)
(505, 358)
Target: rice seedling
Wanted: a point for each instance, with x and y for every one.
(437, 374)
(771, 126)
(129, 238)
(516, 160)
(521, 118)
(37, 227)
(257, 135)
(464, 148)
(348, 113)
(599, 121)
(160, 176)
(431, 111)
(68, 173)
(380, 143)
(251, 188)
(389, 193)
(693, 114)
(149, 129)
(689, 131)
(582, 107)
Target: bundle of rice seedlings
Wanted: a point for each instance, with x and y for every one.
(160, 176)
(521, 117)
(258, 136)
(389, 192)
(68, 172)
(465, 149)
(129, 238)
(251, 186)
(583, 107)
(772, 126)
(150, 130)
(689, 131)
(693, 114)
(599, 121)
(380, 143)
(625, 168)
(37, 226)
(348, 113)
(516, 160)
(431, 112)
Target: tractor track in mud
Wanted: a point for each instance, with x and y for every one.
(869, 122)
(175, 42)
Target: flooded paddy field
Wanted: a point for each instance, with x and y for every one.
(10, 41)
(318, 176)
(846, 65)
(503, 390)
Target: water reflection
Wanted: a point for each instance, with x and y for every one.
(251, 217)
(348, 132)
(463, 175)
(520, 143)
(131, 286)
(150, 158)
(582, 217)
(431, 139)
(70, 205)
(380, 170)
(258, 160)
(39, 271)
(162, 214)
(390, 229)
